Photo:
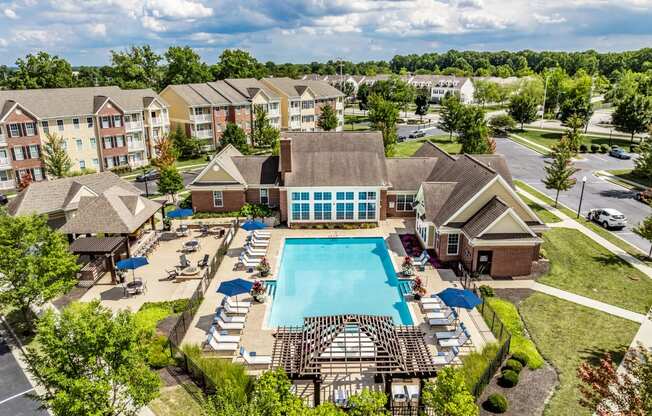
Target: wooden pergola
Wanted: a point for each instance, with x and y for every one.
(350, 344)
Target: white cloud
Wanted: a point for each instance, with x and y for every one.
(549, 20)
(3, 43)
(98, 29)
(177, 9)
(153, 24)
(10, 14)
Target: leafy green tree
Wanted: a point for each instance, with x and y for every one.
(448, 394)
(170, 181)
(184, 146)
(41, 71)
(474, 133)
(91, 362)
(55, 158)
(523, 108)
(485, 92)
(184, 66)
(35, 266)
(368, 403)
(327, 119)
(423, 104)
(383, 115)
(644, 230)
(574, 136)
(236, 63)
(136, 67)
(348, 89)
(403, 94)
(90, 76)
(576, 98)
(263, 134)
(273, 395)
(633, 114)
(452, 112)
(501, 123)
(643, 163)
(363, 96)
(559, 171)
(235, 136)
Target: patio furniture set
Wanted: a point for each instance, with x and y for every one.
(404, 393)
(147, 243)
(185, 268)
(254, 250)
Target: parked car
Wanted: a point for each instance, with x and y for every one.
(402, 138)
(619, 153)
(607, 217)
(3, 199)
(152, 175)
(417, 134)
(644, 196)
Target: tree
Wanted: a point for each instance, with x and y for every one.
(26, 180)
(327, 119)
(166, 153)
(348, 89)
(474, 133)
(610, 392)
(523, 108)
(633, 114)
(55, 158)
(363, 96)
(485, 92)
(423, 104)
(36, 265)
(559, 171)
(452, 112)
(576, 97)
(137, 67)
(368, 403)
(448, 394)
(184, 146)
(501, 123)
(236, 63)
(235, 136)
(383, 115)
(170, 181)
(644, 230)
(41, 71)
(184, 67)
(263, 134)
(91, 362)
(574, 133)
(643, 163)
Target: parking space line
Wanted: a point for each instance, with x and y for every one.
(16, 396)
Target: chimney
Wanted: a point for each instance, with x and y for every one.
(286, 155)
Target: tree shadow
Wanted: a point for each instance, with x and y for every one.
(618, 193)
(608, 259)
(593, 355)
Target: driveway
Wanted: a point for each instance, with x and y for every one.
(14, 387)
(152, 187)
(527, 165)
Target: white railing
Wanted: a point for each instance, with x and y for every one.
(10, 184)
(203, 134)
(136, 145)
(296, 125)
(295, 110)
(137, 163)
(134, 125)
(339, 106)
(3, 139)
(157, 121)
(274, 113)
(200, 118)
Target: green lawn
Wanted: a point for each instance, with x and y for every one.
(407, 149)
(545, 215)
(549, 138)
(630, 176)
(177, 401)
(190, 162)
(566, 334)
(356, 127)
(580, 265)
(606, 234)
(508, 314)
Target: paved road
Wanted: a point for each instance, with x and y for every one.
(431, 130)
(13, 385)
(527, 165)
(153, 188)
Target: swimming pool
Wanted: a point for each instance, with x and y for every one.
(332, 276)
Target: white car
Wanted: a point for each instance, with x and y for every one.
(607, 217)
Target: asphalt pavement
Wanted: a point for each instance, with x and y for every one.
(14, 387)
(527, 165)
(152, 188)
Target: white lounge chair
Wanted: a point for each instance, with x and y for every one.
(433, 307)
(341, 398)
(450, 334)
(237, 303)
(260, 233)
(248, 262)
(227, 318)
(222, 346)
(256, 242)
(440, 314)
(431, 299)
(420, 257)
(222, 336)
(445, 357)
(255, 252)
(412, 391)
(454, 342)
(229, 325)
(443, 322)
(398, 393)
(421, 264)
(253, 359)
(234, 310)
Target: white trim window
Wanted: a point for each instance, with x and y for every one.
(106, 123)
(367, 210)
(80, 144)
(14, 130)
(300, 211)
(218, 199)
(264, 196)
(30, 129)
(75, 122)
(453, 244)
(404, 202)
(117, 121)
(89, 122)
(60, 125)
(45, 126)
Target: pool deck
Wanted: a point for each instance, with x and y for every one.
(255, 337)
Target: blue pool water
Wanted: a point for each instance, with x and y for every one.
(331, 276)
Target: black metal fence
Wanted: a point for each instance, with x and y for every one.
(411, 410)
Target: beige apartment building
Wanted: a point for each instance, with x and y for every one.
(102, 127)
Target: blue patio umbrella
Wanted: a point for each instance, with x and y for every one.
(251, 225)
(180, 213)
(132, 263)
(459, 298)
(235, 287)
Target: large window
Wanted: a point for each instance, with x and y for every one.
(345, 196)
(323, 196)
(300, 196)
(89, 121)
(344, 211)
(60, 125)
(323, 211)
(30, 129)
(367, 196)
(46, 126)
(300, 211)
(75, 123)
(264, 196)
(218, 199)
(404, 202)
(367, 211)
(453, 244)
(14, 130)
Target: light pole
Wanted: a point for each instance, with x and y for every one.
(543, 106)
(579, 208)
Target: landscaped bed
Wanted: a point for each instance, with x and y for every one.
(566, 334)
(630, 176)
(580, 265)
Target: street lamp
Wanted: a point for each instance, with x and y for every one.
(581, 196)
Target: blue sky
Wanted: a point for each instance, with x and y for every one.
(84, 31)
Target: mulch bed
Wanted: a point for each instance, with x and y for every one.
(516, 296)
(413, 248)
(529, 396)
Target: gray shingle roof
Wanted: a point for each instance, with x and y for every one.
(489, 213)
(435, 195)
(337, 159)
(407, 174)
(258, 170)
(248, 87)
(56, 195)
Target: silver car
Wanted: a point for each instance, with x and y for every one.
(607, 217)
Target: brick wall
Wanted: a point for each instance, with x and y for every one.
(383, 205)
(393, 212)
(283, 205)
(513, 261)
(203, 201)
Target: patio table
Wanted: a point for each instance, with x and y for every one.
(192, 245)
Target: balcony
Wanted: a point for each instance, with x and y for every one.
(200, 118)
(295, 110)
(339, 105)
(156, 121)
(5, 163)
(134, 125)
(135, 145)
(203, 134)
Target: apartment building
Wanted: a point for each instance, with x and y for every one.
(203, 110)
(303, 100)
(102, 128)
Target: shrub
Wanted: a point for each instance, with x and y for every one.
(594, 148)
(634, 148)
(583, 148)
(158, 353)
(508, 378)
(514, 365)
(487, 291)
(521, 357)
(496, 403)
(604, 148)
(202, 215)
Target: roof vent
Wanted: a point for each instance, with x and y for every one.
(216, 168)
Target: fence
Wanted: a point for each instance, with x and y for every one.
(410, 410)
